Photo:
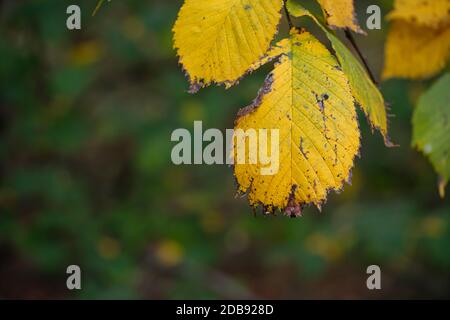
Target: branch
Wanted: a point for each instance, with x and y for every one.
(291, 25)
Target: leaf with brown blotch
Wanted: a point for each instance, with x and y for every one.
(308, 99)
(219, 40)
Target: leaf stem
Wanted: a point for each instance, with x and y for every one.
(97, 7)
(350, 38)
(289, 20)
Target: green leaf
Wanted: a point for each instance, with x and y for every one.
(431, 128)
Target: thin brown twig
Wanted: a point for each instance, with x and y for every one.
(289, 20)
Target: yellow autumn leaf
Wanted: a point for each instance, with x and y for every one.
(366, 93)
(415, 52)
(219, 40)
(429, 13)
(308, 99)
(340, 14)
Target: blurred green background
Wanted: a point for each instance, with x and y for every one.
(86, 177)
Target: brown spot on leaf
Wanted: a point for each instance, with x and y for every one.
(267, 87)
(302, 150)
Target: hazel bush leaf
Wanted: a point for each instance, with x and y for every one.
(308, 99)
(418, 42)
(431, 128)
(218, 41)
(415, 52)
